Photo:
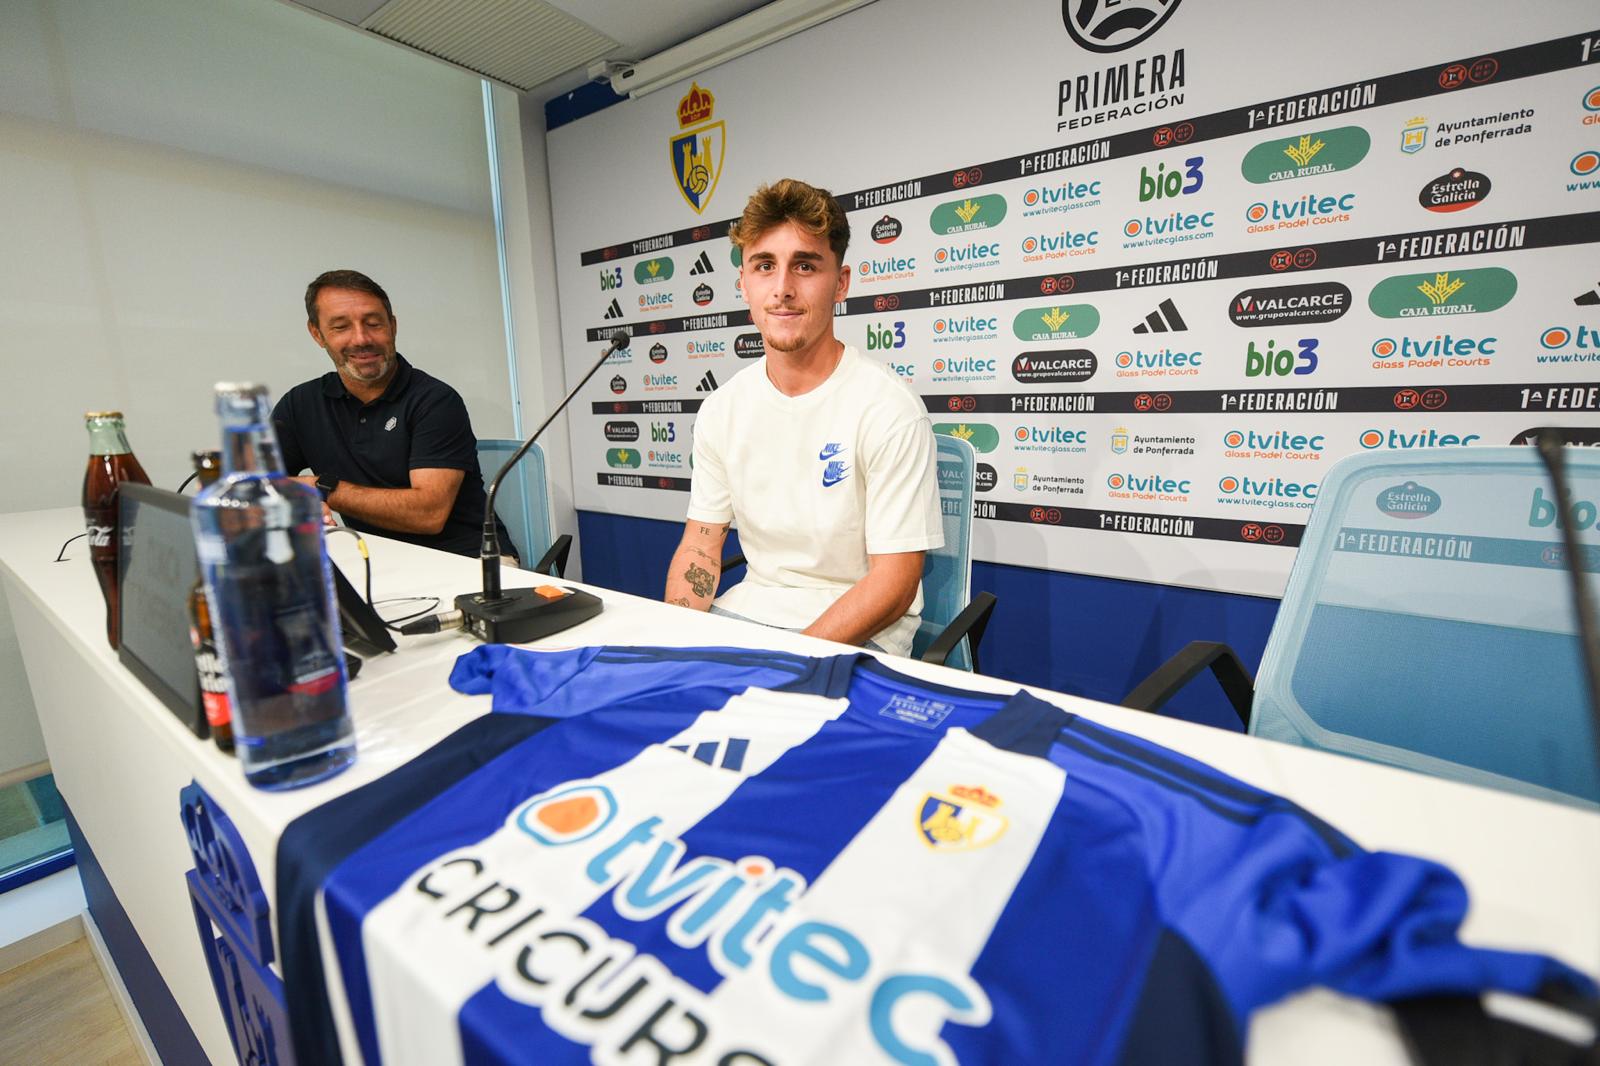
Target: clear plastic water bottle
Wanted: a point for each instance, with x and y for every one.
(260, 541)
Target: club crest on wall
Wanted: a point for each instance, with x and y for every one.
(697, 151)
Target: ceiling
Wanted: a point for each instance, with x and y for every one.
(542, 47)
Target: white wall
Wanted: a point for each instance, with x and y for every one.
(172, 175)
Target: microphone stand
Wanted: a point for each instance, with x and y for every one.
(519, 615)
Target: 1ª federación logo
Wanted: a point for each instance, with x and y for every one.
(1444, 292)
(1058, 323)
(1102, 27)
(1306, 155)
(698, 150)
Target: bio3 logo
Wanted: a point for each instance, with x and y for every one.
(1281, 362)
(882, 337)
(1167, 184)
(610, 278)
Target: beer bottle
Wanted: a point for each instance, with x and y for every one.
(111, 462)
(207, 660)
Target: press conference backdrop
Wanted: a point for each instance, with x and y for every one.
(1162, 266)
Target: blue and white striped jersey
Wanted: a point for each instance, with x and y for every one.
(740, 858)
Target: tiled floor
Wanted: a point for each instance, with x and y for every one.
(58, 1009)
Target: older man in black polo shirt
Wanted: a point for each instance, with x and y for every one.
(391, 447)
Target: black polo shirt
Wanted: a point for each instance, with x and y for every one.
(418, 423)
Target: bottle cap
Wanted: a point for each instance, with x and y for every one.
(240, 388)
(101, 414)
(208, 455)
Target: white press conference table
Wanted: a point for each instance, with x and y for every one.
(120, 758)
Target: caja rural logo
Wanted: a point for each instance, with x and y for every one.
(698, 150)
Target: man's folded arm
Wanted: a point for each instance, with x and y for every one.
(422, 508)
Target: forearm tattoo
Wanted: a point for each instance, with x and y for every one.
(700, 579)
(683, 601)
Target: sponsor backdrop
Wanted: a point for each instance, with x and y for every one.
(1161, 267)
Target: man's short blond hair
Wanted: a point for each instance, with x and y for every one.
(814, 210)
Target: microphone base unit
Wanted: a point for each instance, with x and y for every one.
(520, 615)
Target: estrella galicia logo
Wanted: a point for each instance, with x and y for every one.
(749, 346)
(702, 294)
(1066, 365)
(1455, 191)
(658, 352)
(1285, 305)
(886, 229)
(622, 432)
(1409, 501)
(1103, 27)
(619, 384)
(834, 469)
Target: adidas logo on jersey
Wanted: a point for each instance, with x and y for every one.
(727, 754)
(702, 265)
(614, 311)
(707, 383)
(1164, 319)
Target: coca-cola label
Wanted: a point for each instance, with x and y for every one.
(99, 536)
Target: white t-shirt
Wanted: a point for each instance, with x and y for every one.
(815, 484)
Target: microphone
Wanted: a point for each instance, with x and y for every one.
(517, 616)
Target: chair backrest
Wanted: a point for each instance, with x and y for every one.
(1428, 624)
(947, 571)
(523, 499)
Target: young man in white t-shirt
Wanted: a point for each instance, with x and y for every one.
(824, 458)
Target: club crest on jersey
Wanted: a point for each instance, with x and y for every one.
(962, 820)
(567, 815)
(697, 151)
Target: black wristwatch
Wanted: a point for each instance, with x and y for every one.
(326, 483)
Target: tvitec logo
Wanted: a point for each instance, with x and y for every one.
(896, 267)
(1159, 363)
(1066, 196)
(1039, 247)
(1413, 437)
(1430, 353)
(1267, 216)
(968, 369)
(1270, 492)
(1158, 487)
(1564, 345)
(966, 328)
(1052, 439)
(969, 256)
(658, 382)
(1273, 361)
(1278, 444)
(1174, 228)
(610, 278)
(1167, 184)
(704, 349)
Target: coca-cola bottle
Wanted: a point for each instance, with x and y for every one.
(111, 462)
(207, 659)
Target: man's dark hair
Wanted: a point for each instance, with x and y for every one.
(814, 210)
(344, 279)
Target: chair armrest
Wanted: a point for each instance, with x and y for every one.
(1153, 692)
(554, 562)
(970, 623)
